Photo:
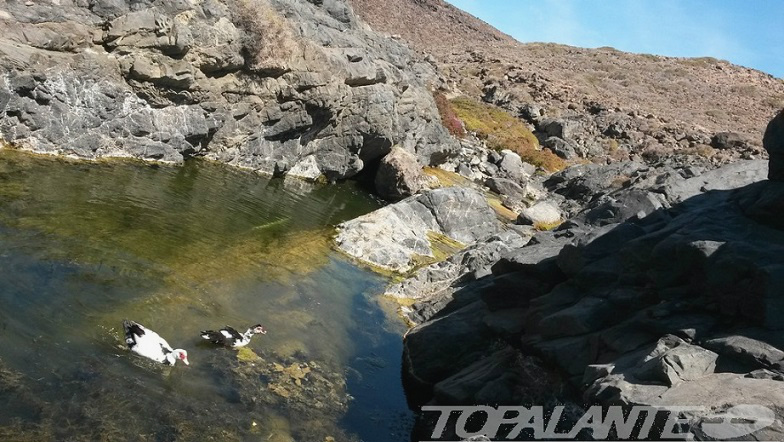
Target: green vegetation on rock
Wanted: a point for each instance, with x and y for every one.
(501, 130)
(544, 226)
(449, 118)
(445, 178)
(441, 246)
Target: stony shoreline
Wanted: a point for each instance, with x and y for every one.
(663, 291)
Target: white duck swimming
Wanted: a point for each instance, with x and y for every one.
(228, 336)
(149, 344)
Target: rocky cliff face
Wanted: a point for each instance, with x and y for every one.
(300, 88)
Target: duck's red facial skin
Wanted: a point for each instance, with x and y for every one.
(184, 358)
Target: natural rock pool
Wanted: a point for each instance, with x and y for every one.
(182, 249)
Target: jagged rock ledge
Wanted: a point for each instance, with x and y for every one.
(280, 87)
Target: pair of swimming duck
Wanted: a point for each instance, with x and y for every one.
(151, 345)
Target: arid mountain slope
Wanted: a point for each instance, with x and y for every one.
(703, 94)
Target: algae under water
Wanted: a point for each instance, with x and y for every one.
(181, 249)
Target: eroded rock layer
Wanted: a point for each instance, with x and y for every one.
(280, 87)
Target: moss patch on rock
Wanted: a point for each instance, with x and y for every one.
(445, 178)
(543, 226)
(504, 213)
(502, 130)
(244, 354)
(441, 246)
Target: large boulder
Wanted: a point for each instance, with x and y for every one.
(511, 166)
(728, 140)
(542, 215)
(399, 175)
(419, 230)
(774, 144)
(564, 148)
(674, 361)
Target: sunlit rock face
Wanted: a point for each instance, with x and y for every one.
(269, 85)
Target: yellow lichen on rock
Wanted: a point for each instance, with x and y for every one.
(441, 247)
(544, 226)
(445, 178)
(503, 212)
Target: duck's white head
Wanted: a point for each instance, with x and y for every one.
(178, 354)
(259, 329)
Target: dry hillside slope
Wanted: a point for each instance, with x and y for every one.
(686, 95)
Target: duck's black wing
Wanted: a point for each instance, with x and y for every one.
(226, 336)
(132, 331)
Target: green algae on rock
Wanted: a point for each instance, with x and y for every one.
(441, 248)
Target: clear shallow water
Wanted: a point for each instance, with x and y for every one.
(181, 249)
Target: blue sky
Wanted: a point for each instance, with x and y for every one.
(745, 32)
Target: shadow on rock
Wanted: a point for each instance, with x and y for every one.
(679, 307)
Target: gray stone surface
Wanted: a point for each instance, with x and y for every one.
(506, 187)
(542, 213)
(728, 140)
(746, 350)
(398, 237)
(472, 263)
(512, 166)
(565, 149)
(267, 85)
(399, 175)
(644, 295)
(674, 361)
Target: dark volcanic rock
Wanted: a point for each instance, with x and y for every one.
(728, 140)
(774, 144)
(650, 308)
(457, 338)
(565, 149)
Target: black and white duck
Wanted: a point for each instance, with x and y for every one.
(229, 337)
(147, 343)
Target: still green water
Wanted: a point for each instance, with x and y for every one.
(181, 249)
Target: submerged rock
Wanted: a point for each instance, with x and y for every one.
(312, 390)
